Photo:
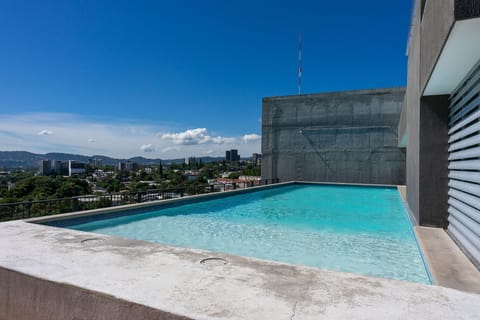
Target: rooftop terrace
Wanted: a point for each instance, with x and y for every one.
(67, 274)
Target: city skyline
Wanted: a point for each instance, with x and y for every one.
(173, 80)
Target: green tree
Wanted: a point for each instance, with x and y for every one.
(160, 170)
(234, 175)
(72, 188)
(111, 184)
(47, 187)
(139, 186)
(251, 170)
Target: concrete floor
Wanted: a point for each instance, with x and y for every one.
(56, 273)
(403, 192)
(448, 265)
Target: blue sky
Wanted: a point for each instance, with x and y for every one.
(180, 78)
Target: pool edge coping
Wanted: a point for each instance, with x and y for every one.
(99, 211)
(389, 290)
(218, 195)
(401, 189)
(126, 207)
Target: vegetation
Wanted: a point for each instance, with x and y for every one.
(31, 188)
(251, 170)
(26, 186)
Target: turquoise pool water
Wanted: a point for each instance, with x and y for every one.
(363, 230)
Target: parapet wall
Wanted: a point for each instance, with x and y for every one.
(24, 297)
(346, 137)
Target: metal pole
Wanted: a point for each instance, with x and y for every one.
(299, 62)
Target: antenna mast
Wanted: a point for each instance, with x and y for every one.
(299, 62)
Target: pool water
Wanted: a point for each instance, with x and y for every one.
(363, 230)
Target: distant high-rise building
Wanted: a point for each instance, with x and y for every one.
(53, 167)
(75, 167)
(232, 155)
(256, 159)
(45, 167)
(59, 167)
(56, 165)
(95, 162)
(127, 166)
(98, 162)
(191, 161)
(121, 166)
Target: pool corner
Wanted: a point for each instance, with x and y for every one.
(100, 280)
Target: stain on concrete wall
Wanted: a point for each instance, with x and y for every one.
(334, 137)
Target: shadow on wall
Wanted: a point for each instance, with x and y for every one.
(338, 137)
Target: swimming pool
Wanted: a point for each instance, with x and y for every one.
(363, 230)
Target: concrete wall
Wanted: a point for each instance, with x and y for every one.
(426, 117)
(402, 126)
(433, 178)
(334, 137)
(435, 25)
(426, 127)
(23, 297)
(412, 110)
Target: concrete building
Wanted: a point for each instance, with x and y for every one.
(53, 167)
(350, 136)
(95, 162)
(126, 166)
(440, 120)
(191, 161)
(256, 159)
(334, 137)
(60, 167)
(232, 155)
(121, 166)
(45, 167)
(75, 167)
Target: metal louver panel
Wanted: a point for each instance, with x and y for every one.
(464, 164)
(469, 153)
(465, 176)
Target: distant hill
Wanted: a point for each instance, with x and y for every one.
(19, 159)
(24, 159)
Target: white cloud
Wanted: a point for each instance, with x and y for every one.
(147, 148)
(45, 132)
(251, 137)
(194, 137)
(167, 149)
(76, 134)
